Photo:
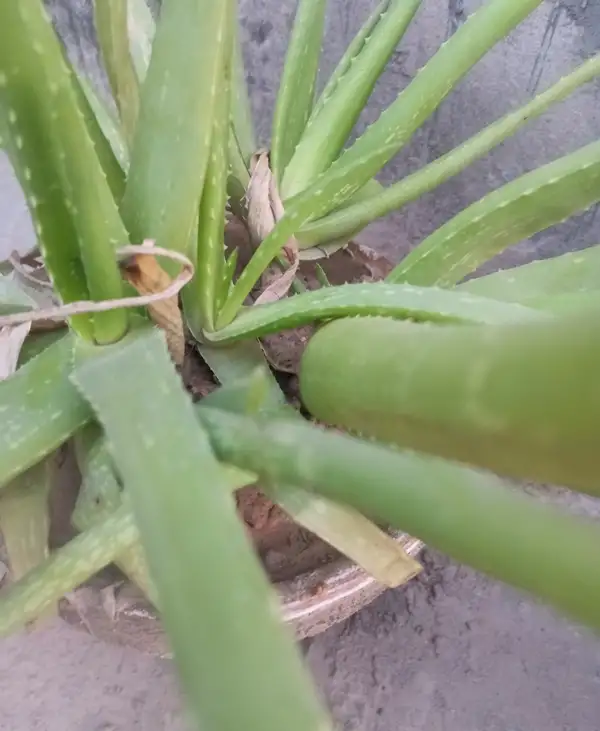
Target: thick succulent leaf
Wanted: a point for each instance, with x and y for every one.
(39, 409)
(172, 142)
(385, 138)
(426, 304)
(537, 284)
(342, 101)
(250, 388)
(38, 342)
(521, 208)
(65, 569)
(237, 364)
(214, 645)
(201, 296)
(466, 514)
(111, 18)
(99, 496)
(226, 285)
(396, 125)
(54, 227)
(105, 134)
(50, 143)
(350, 532)
(519, 399)
(353, 50)
(108, 125)
(141, 29)
(380, 201)
(242, 139)
(297, 86)
(25, 518)
(241, 111)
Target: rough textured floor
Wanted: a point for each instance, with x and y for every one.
(453, 651)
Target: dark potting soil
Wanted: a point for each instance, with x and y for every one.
(285, 548)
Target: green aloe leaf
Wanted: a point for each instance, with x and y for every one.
(39, 409)
(352, 52)
(385, 137)
(539, 283)
(105, 134)
(188, 565)
(141, 29)
(518, 399)
(25, 519)
(242, 369)
(379, 202)
(50, 145)
(106, 122)
(54, 227)
(111, 18)
(240, 109)
(242, 139)
(202, 294)
(466, 514)
(428, 304)
(227, 281)
(344, 98)
(297, 86)
(99, 496)
(65, 569)
(172, 143)
(38, 342)
(396, 125)
(535, 201)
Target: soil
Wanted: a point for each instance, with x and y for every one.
(285, 548)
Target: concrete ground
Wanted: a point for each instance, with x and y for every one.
(453, 651)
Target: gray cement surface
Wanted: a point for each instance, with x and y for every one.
(453, 651)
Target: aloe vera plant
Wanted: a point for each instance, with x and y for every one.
(496, 373)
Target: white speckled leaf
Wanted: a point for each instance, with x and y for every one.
(531, 203)
(430, 304)
(539, 284)
(56, 162)
(216, 602)
(377, 202)
(345, 96)
(200, 297)
(111, 18)
(171, 146)
(394, 128)
(65, 569)
(39, 409)
(297, 86)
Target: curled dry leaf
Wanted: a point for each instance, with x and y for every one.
(146, 275)
(280, 286)
(265, 209)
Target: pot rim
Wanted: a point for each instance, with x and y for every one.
(315, 600)
(310, 603)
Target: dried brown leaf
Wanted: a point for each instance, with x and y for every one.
(145, 274)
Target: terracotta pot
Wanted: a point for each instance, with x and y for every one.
(311, 603)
